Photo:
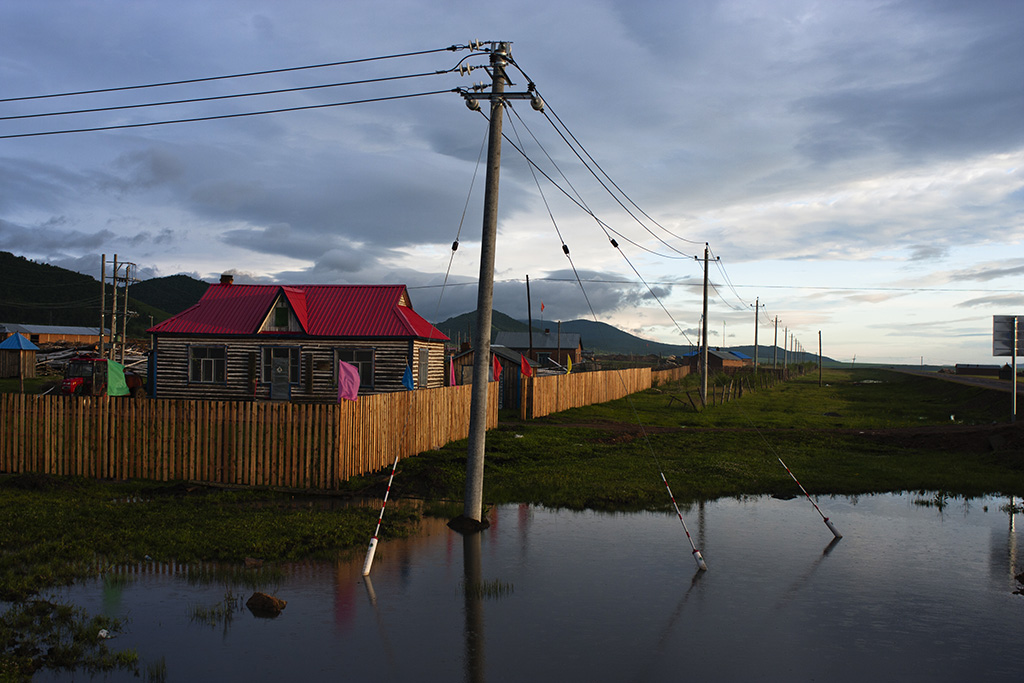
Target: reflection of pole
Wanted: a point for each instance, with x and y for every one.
(473, 589)
(473, 504)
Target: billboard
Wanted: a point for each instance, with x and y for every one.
(1002, 335)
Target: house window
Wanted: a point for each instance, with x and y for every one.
(272, 352)
(362, 359)
(281, 317)
(207, 364)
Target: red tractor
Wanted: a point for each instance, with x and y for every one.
(94, 376)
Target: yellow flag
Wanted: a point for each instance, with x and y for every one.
(568, 367)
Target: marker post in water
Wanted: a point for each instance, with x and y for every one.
(829, 524)
(697, 557)
(371, 551)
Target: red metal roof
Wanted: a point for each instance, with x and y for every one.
(322, 310)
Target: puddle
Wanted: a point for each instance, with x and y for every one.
(919, 588)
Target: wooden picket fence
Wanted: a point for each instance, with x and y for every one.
(553, 393)
(659, 377)
(301, 446)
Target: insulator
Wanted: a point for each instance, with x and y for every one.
(565, 248)
(455, 245)
(614, 243)
(473, 104)
(537, 103)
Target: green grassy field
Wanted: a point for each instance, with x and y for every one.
(865, 430)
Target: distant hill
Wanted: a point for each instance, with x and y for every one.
(34, 293)
(173, 294)
(462, 327)
(601, 337)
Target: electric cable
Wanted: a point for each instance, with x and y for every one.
(213, 98)
(224, 116)
(207, 79)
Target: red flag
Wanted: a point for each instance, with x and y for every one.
(541, 306)
(497, 368)
(526, 369)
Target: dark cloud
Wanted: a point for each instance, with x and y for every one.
(928, 252)
(1008, 301)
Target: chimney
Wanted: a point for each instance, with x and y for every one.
(226, 279)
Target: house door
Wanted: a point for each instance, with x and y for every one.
(280, 386)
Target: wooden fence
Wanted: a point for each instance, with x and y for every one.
(545, 395)
(303, 446)
(665, 376)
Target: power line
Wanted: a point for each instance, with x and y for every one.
(219, 117)
(207, 79)
(213, 98)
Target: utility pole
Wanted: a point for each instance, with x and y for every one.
(472, 509)
(757, 309)
(529, 316)
(472, 513)
(103, 301)
(819, 358)
(775, 346)
(785, 350)
(113, 314)
(704, 341)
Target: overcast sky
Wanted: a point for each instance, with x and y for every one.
(855, 166)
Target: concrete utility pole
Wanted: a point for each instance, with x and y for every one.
(785, 350)
(819, 358)
(103, 300)
(704, 340)
(472, 510)
(757, 309)
(113, 315)
(775, 345)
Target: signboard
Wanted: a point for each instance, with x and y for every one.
(1002, 335)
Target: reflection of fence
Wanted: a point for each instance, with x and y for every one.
(545, 395)
(314, 446)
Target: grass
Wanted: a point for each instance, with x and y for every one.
(598, 456)
(54, 531)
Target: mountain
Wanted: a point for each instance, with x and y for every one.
(34, 293)
(462, 327)
(601, 337)
(173, 294)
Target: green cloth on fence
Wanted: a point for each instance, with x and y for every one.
(116, 386)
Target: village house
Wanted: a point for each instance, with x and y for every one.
(285, 342)
(52, 334)
(511, 366)
(545, 347)
(719, 360)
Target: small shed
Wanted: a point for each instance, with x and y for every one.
(17, 357)
(508, 381)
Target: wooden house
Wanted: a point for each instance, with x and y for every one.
(545, 346)
(719, 360)
(285, 342)
(508, 380)
(52, 334)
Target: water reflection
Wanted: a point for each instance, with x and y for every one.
(912, 591)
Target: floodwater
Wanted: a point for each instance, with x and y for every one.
(912, 592)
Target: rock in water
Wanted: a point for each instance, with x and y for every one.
(265, 606)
